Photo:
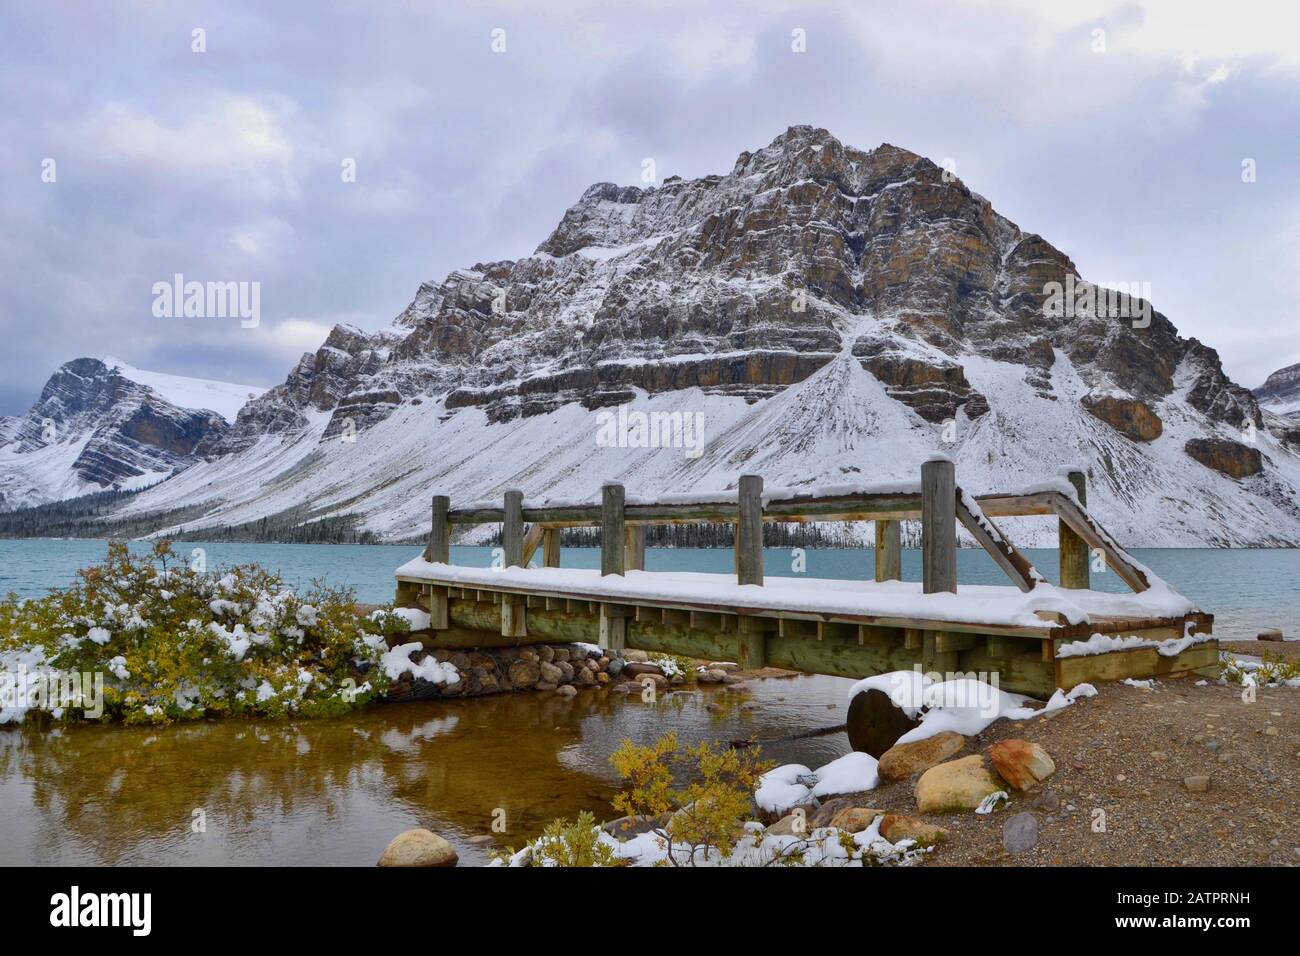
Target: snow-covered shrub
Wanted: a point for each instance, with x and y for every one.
(172, 643)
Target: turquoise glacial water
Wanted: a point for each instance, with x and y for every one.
(1247, 589)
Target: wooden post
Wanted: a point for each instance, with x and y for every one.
(889, 550)
(613, 627)
(512, 529)
(753, 642)
(551, 548)
(1074, 550)
(438, 549)
(634, 548)
(438, 607)
(611, 529)
(938, 526)
(749, 531)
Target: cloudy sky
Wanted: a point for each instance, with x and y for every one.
(1123, 147)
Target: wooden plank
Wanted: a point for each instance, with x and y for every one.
(555, 604)
(634, 548)
(1074, 553)
(752, 644)
(1086, 527)
(532, 540)
(514, 618)
(512, 529)
(550, 547)
(889, 550)
(1139, 662)
(438, 548)
(611, 529)
(675, 618)
(438, 602)
(945, 641)
(999, 547)
(749, 531)
(852, 507)
(912, 639)
(613, 627)
(938, 526)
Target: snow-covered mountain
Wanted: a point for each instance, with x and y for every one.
(828, 314)
(1280, 392)
(104, 424)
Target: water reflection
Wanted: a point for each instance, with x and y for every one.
(335, 792)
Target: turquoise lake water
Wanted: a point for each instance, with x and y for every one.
(1247, 590)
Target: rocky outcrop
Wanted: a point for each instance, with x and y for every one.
(1130, 417)
(1225, 456)
(1280, 393)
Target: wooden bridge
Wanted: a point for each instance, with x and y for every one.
(1022, 631)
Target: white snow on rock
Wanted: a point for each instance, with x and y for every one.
(963, 705)
(398, 661)
(224, 398)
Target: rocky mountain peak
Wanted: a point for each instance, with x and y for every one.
(1280, 392)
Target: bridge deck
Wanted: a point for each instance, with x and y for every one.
(840, 627)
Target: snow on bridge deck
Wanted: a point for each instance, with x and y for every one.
(901, 601)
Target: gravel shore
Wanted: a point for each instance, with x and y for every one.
(1127, 753)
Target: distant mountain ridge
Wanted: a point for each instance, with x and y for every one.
(1280, 392)
(104, 424)
(832, 313)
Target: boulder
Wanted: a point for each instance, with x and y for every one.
(1130, 417)
(1020, 833)
(524, 673)
(895, 827)
(1197, 784)
(1021, 763)
(795, 823)
(636, 669)
(1225, 456)
(1271, 634)
(550, 673)
(902, 760)
(418, 847)
(853, 819)
(956, 785)
(566, 690)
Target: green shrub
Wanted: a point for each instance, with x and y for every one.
(174, 643)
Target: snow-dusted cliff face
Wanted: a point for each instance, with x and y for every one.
(824, 312)
(104, 424)
(1280, 392)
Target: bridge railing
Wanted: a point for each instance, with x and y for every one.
(936, 500)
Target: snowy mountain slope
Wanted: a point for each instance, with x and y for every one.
(832, 314)
(104, 424)
(835, 426)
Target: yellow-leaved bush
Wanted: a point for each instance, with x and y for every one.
(175, 643)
